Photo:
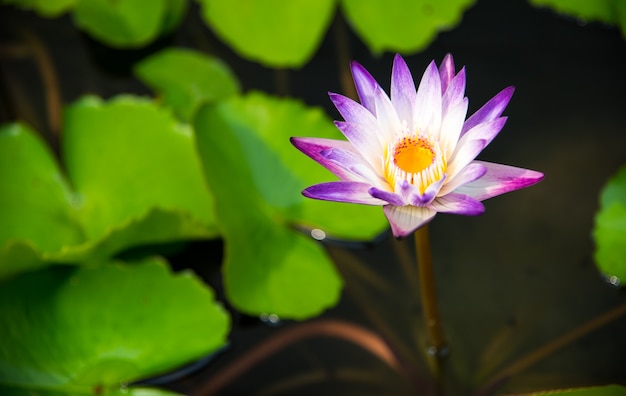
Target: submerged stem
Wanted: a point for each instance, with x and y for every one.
(548, 349)
(49, 78)
(358, 335)
(436, 339)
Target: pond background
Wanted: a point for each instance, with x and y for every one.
(509, 281)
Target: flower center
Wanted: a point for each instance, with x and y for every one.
(416, 159)
(413, 155)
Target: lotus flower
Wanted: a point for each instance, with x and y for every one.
(414, 154)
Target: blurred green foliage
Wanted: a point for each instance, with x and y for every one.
(187, 79)
(274, 33)
(402, 26)
(126, 162)
(257, 176)
(609, 232)
(611, 12)
(72, 330)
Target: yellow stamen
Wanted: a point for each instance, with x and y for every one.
(416, 159)
(413, 155)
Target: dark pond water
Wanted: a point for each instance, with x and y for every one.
(510, 281)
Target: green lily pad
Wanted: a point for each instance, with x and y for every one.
(35, 199)
(121, 23)
(136, 179)
(275, 33)
(404, 26)
(257, 178)
(128, 156)
(263, 126)
(172, 16)
(611, 12)
(187, 79)
(75, 330)
(597, 10)
(45, 8)
(610, 229)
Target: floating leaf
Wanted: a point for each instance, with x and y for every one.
(35, 200)
(610, 229)
(45, 8)
(597, 10)
(257, 177)
(75, 330)
(121, 23)
(128, 156)
(611, 12)
(174, 12)
(36, 212)
(275, 33)
(136, 176)
(404, 26)
(187, 79)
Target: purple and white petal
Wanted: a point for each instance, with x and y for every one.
(391, 198)
(355, 164)
(446, 72)
(402, 90)
(353, 112)
(454, 93)
(314, 147)
(427, 110)
(388, 123)
(353, 192)
(458, 204)
(451, 128)
(471, 172)
(463, 155)
(490, 110)
(365, 86)
(365, 141)
(486, 131)
(500, 179)
(406, 219)
(375, 149)
(429, 195)
(406, 190)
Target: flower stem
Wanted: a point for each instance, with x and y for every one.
(436, 339)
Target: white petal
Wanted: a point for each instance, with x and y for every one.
(402, 90)
(427, 111)
(388, 123)
(365, 141)
(499, 179)
(458, 204)
(406, 219)
(451, 128)
(468, 174)
(463, 156)
(454, 93)
(486, 131)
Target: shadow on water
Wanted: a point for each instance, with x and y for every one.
(510, 281)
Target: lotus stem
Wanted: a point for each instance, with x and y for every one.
(436, 340)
